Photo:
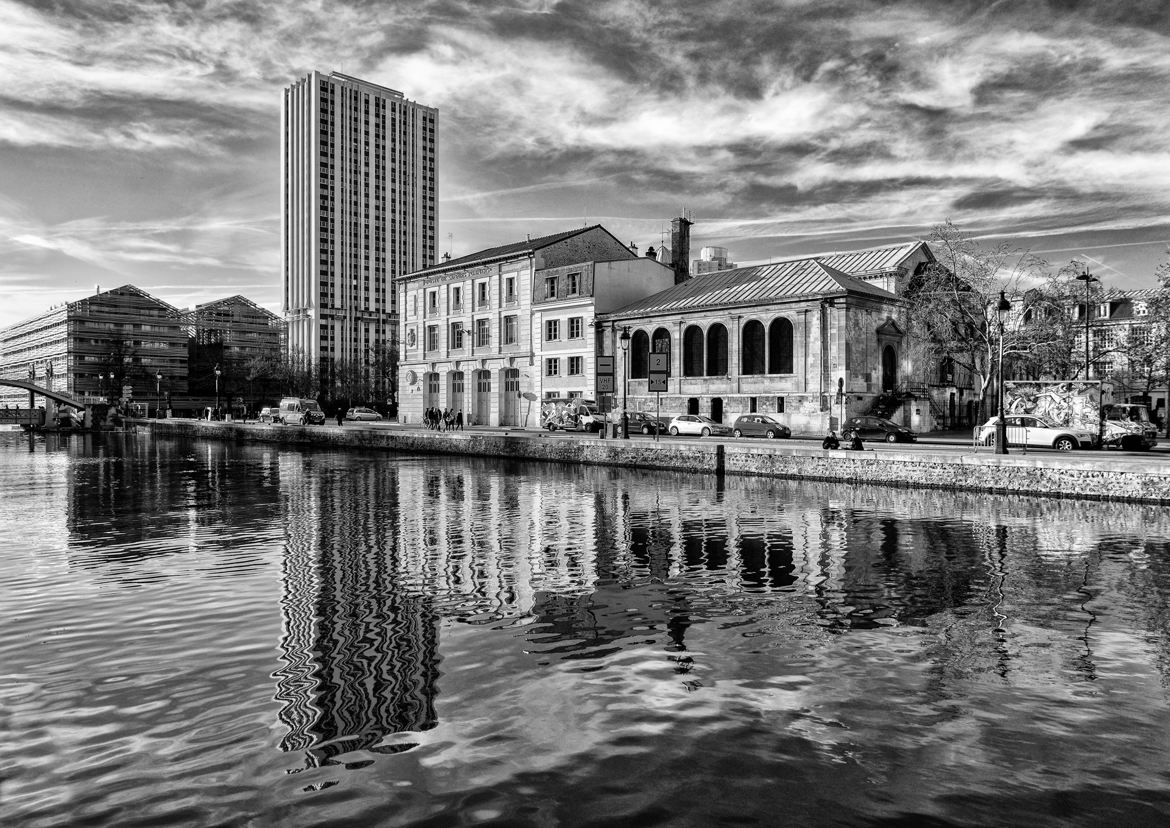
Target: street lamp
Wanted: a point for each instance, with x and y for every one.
(625, 340)
(158, 395)
(1088, 278)
(1001, 424)
(217, 373)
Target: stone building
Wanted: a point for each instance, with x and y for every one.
(492, 333)
(806, 339)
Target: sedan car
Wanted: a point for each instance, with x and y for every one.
(361, 413)
(759, 425)
(1030, 430)
(647, 424)
(268, 414)
(696, 424)
(879, 428)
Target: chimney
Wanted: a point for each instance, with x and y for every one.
(634, 248)
(446, 257)
(680, 249)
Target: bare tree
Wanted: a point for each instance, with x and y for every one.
(953, 303)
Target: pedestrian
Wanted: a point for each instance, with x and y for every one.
(459, 419)
(446, 419)
(855, 443)
(340, 416)
(831, 441)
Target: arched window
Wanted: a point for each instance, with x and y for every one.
(717, 351)
(639, 355)
(693, 351)
(660, 342)
(780, 347)
(751, 357)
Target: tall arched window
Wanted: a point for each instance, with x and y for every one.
(639, 355)
(660, 342)
(780, 347)
(717, 351)
(693, 351)
(751, 357)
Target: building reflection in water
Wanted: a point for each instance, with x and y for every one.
(381, 552)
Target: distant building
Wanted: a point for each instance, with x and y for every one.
(238, 328)
(484, 330)
(358, 196)
(711, 260)
(113, 344)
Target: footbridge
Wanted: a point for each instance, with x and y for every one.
(50, 417)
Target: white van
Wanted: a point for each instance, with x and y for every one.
(300, 411)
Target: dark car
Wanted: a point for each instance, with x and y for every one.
(647, 424)
(879, 428)
(759, 425)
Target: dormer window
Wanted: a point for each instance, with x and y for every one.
(1141, 309)
(1103, 310)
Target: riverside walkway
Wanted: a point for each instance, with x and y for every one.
(1088, 475)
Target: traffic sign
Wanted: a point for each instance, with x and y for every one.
(659, 363)
(605, 383)
(605, 365)
(658, 382)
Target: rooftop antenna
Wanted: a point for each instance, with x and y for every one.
(451, 243)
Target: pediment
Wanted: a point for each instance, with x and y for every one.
(890, 329)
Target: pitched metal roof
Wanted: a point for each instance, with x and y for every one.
(504, 251)
(874, 259)
(756, 285)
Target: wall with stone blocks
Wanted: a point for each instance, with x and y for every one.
(1050, 475)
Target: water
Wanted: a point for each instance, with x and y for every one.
(216, 634)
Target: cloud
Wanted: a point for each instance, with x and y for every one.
(142, 136)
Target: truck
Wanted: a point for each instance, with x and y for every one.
(1077, 404)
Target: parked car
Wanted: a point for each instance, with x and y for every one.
(300, 411)
(646, 424)
(362, 413)
(269, 414)
(1030, 430)
(759, 425)
(697, 424)
(879, 428)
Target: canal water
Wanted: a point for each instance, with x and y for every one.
(201, 633)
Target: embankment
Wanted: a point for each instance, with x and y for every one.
(1096, 476)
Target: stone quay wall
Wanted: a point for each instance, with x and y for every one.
(1050, 475)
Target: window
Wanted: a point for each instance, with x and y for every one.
(552, 367)
(552, 330)
(433, 301)
(481, 294)
(483, 333)
(456, 298)
(1103, 310)
(1141, 309)
(550, 287)
(456, 335)
(574, 284)
(432, 337)
(510, 289)
(575, 327)
(509, 330)
(575, 366)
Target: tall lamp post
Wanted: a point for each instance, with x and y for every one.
(1001, 423)
(625, 340)
(158, 395)
(217, 373)
(1088, 278)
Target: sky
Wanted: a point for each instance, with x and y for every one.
(139, 141)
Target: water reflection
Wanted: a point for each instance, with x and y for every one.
(456, 630)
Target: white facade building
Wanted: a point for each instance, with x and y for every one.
(492, 333)
(358, 197)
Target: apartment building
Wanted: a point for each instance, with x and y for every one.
(359, 210)
(492, 333)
